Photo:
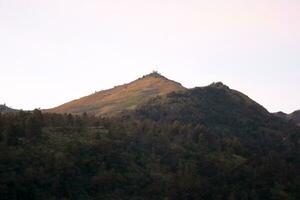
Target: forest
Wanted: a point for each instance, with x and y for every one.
(63, 156)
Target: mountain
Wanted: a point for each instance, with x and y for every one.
(5, 109)
(214, 105)
(293, 117)
(120, 98)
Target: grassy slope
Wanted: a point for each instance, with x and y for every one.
(115, 100)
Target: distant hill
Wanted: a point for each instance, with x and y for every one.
(124, 97)
(214, 105)
(220, 112)
(294, 117)
(5, 109)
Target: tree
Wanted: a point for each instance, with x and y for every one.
(34, 124)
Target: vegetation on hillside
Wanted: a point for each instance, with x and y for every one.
(207, 143)
(294, 117)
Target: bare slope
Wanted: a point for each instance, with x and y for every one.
(124, 97)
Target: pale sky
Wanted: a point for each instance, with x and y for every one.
(54, 51)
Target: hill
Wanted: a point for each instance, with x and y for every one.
(293, 117)
(5, 109)
(280, 114)
(222, 113)
(213, 105)
(124, 97)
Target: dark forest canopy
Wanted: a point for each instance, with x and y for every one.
(52, 156)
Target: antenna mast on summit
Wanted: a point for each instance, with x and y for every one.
(156, 69)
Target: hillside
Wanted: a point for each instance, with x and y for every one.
(293, 117)
(222, 114)
(213, 105)
(5, 109)
(280, 114)
(124, 97)
(209, 143)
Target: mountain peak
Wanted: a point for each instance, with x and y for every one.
(154, 74)
(124, 97)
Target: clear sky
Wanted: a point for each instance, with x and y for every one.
(53, 51)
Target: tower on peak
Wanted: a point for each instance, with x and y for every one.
(154, 73)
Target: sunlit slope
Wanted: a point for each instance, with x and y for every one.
(120, 98)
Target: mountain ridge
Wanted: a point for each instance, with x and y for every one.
(132, 95)
(293, 117)
(212, 104)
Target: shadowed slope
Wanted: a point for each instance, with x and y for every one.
(124, 97)
(293, 117)
(214, 105)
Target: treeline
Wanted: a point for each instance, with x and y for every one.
(53, 156)
(22, 126)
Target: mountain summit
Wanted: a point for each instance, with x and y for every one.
(124, 97)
